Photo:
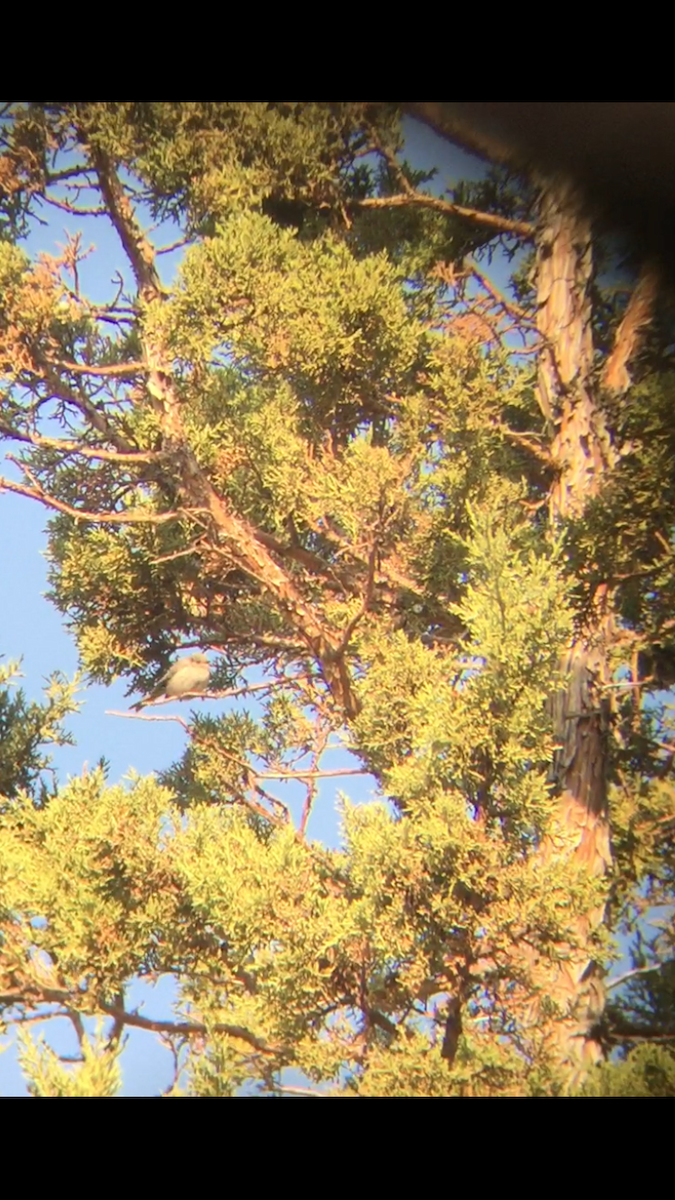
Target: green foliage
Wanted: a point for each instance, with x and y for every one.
(272, 941)
(647, 1071)
(98, 1074)
(334, 327)
(25, 728)
(316, 456)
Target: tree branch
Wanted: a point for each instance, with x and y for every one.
(509, 306)
(190, 1028)
(419, 200)
(64, 447)
(136, 247)
(112, 371)
(620, 979)
(132, 517)
(74, 209)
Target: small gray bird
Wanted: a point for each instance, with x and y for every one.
(187, 675)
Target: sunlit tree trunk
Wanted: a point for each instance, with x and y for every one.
(583, 453)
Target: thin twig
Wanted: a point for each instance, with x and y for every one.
(112, 712)
(311, 786)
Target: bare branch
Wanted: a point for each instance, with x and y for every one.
(114, 371)
(531, 441)
(134, 716)
(229, 693)
(310, 774)
(76, 172)
(75, 209)
(419, 200)
(185, 241)
(84, 405)
(311, 786)
(64, 447)
(78, 1025)
(136, 247)
(509, 306)
(189, 1028)
(283, 1090)
(620, 1031)
(620, 979)
(132, 517)
(73, 1003)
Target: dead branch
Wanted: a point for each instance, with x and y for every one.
(509, 306)
(132, 517)
(74, 209)
(531, 441)
(64, 447)
(113, 371)
(419, 200)
(621, 979)
(133, 716)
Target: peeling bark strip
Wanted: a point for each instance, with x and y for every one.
(244, 544)
(631, 330)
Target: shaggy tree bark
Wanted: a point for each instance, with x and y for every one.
(582, 450)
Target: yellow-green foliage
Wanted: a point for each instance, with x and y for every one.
(308, 457)
(265, 934)
(337, 327)
(646, 1071)
(97, 1075)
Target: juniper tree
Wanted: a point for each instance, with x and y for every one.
(403, 508)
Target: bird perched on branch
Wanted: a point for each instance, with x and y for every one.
(185, 676)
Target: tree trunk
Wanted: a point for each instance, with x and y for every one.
(582, 448)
